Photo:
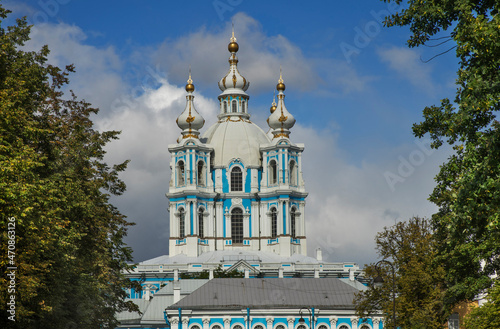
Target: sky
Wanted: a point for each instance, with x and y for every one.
(353, 85)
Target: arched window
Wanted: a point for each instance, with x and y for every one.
(301, 327)
(225, 107)
(293, 173)
(343, 327)
(258, 327)
(237, 326)
(237, 225)
(364, 327)
(280, 326)
(180, 173)
(182, 222)
(293, 222)
(273, 172)
(195, 327)
(322, 327)
(274, 223)
(236, 179)
(243, 107)
(201, 173)
(201, 234)
(234, 106)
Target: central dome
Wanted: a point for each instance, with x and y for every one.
(236, 138)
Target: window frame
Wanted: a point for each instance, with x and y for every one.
(292, 172)
(293, 222)
(274, 222)
(182, 223)
(181, 173)
(273, 172)
(237, 226)
(201, 226)
(236, 175)
(200, 173)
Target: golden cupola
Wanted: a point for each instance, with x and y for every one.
(190, 121)
(233, 81)
(280, 119)
(233, 99)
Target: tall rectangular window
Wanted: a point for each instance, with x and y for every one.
(182, 220)
(236, 179)
(237, 226)
(274, 223)
(200, 223)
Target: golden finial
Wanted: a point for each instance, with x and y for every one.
(280, 86)
(233, 46)
(233, 39)
(190, 86)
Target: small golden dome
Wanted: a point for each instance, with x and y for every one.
(189, 87)
(233, 47)
(273, 108)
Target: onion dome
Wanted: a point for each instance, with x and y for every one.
(281, 120)
(273, 105)
(233, 82)
(190, 121)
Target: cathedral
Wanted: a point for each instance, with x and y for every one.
(237, 205)
(235, 188)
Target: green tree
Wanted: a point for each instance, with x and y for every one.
(55, 188)
(488, 315)
(467, 192)
(418, 281)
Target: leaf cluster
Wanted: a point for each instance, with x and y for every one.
(418, 281)
(69, 251)
(467, 190)
(219, 272)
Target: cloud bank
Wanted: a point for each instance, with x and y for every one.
(347, 203)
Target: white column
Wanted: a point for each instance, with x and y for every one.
(174, 323)
(185, 323)
(206, 322)
(290, 321)
(269, 321)
(227, 322)
(333, 322)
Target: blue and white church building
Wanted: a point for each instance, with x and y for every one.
(236, 187)
(237, 202)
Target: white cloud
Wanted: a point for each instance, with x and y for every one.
(406, 62)
(260, 58)
(347, 204)
(98, 70)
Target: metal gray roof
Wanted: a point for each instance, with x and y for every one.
(324, 293)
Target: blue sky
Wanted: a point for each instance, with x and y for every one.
(353, 86)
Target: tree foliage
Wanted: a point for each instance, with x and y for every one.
(419, 281)
(468, 185)
(219, 272)
(488, 315)
(55, 187)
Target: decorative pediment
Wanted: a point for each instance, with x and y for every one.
(243, 265)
